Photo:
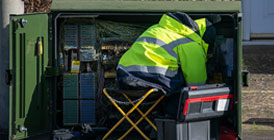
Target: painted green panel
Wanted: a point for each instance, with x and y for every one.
(145, 6)
(29, 99)
(239, 79)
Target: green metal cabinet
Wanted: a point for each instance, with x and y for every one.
(34, 63)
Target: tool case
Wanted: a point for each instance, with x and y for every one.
(204, 102)
(169, 129)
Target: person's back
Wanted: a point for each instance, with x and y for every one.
(166, 55)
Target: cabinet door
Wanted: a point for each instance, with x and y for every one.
(29, 114)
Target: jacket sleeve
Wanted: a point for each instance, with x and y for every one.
(193, 63)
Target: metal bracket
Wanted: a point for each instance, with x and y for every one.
(240, 16)
(245, 78)
(8, 77)
(22, 128)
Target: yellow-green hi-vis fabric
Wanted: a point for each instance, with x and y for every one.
(165, 52)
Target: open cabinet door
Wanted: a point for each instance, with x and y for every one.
(29, 113)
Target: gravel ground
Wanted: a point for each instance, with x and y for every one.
(258, 98)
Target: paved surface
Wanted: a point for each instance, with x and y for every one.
(258, 135)
(258, 98)
(258, 115)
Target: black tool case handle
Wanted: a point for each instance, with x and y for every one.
(207, 86)
(204, 102)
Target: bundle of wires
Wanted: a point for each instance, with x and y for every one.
(124, 32)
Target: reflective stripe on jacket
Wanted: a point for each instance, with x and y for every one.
(164, 48)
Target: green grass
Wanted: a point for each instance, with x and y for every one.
(256, 127)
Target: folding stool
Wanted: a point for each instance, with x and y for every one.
(135, 107)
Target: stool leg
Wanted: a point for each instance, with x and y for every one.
(154, 127)
(136, 127)
(120, 110)
(144, 116)
(125, 116)
(113, 128)
(139, 102)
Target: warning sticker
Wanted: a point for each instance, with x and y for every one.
(75, 66)
(222, 104)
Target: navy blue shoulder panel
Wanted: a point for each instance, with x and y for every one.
(186, 20)
(141, 80)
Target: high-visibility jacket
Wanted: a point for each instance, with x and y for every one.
(166, 55)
